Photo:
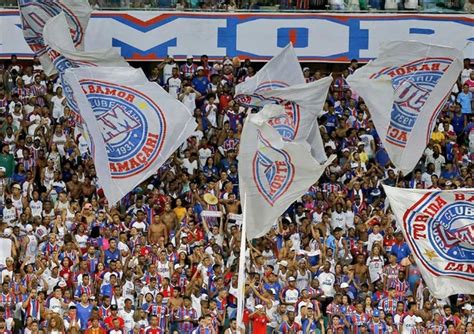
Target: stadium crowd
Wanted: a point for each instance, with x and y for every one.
(165, 259)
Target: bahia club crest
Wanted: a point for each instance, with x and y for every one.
(413, 84)
(273, 171)
(440, 230)
(133, 140)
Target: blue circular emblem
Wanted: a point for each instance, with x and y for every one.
(132, 125)
(413, 84)
(440, 229)
(34, 15)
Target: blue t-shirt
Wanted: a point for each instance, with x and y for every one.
(465, 101)
(400, 251)
(201, 84)
(83, 314)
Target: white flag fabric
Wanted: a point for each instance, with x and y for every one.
(405, 89)
(35, 14)
(135, 125)
(281, 71)
(63, 54)
(438, 227)
(273, 173)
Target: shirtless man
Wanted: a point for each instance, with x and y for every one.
(158, 229)
(169, 218)
(176, 300)
(74, 187)
(360, 269)
(232, 204)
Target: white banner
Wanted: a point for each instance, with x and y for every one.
(135, 125)
(438, 227)
(272, 173)
(211, 214)
(405, 89)
(35, 14)
(234, 216)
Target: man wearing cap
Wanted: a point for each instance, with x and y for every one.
(376, 326)
(189, 68)
(7, 161)
(109, 321)
(290, 294)
(200, 81)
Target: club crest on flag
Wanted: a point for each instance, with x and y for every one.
(35, 14)
(413, 84)
(273, 171)
(446, 221)
(132, 140)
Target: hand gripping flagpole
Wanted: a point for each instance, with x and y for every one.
(241, 276)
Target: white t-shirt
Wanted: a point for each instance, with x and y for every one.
(58, 107)
(168, 71)
(408, 324)
(338, 220)
(128, 320)
(326, 282)
(174, 86)
(189, 100)
(375, 268)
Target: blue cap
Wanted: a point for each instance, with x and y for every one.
(376, 313)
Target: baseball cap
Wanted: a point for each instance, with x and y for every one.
(114, 307)
(200, 68)
(259, 306)
(290, 309)
(3, 169)
(283, 263)
(189, 57)
(344, 285)
(291, 279)
(306, 69)
(418, 320)
(376, 313)
(467, 307)
(17, 186)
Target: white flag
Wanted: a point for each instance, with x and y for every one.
(281, 71)
(135, 125)
(273, 173)
(35, 14)
(438, 227)
(63, 54)
(405, 89)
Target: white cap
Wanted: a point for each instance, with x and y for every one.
(291, 279)
(259, 306)
(7, 232)
(344, 285)
(418, 320)
(28, 228)
(283, 263)
(177, 265)
(290, 309)
(467, 307)
(200, 68)
(189, 57)
(3, 169)
(306, 69)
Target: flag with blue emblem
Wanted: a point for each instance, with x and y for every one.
(35, 14)
(273, 173)
(405, 89)
(134, 124)
(439, 229)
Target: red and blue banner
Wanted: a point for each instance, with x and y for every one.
(151, 35)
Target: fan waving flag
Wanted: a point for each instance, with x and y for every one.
(35, 14)
(439, 229)
(281, 71)
(405, 89)
(135, 125)
(273, 173)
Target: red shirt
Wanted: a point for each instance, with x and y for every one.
(259, 323)
(109, 321)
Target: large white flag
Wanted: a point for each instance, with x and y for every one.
(405, 89)
(135, 125)
(438, 226)
(281, 71)
(35, 14)
(273, 173)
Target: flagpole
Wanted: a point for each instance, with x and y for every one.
(241, 276)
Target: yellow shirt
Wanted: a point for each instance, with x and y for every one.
(180, 213)
(437, 136)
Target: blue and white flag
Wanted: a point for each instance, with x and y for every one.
(439, 229)
(405, 89)
(273, 173)
(35, 14)
(63, 54)
(134, 124)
